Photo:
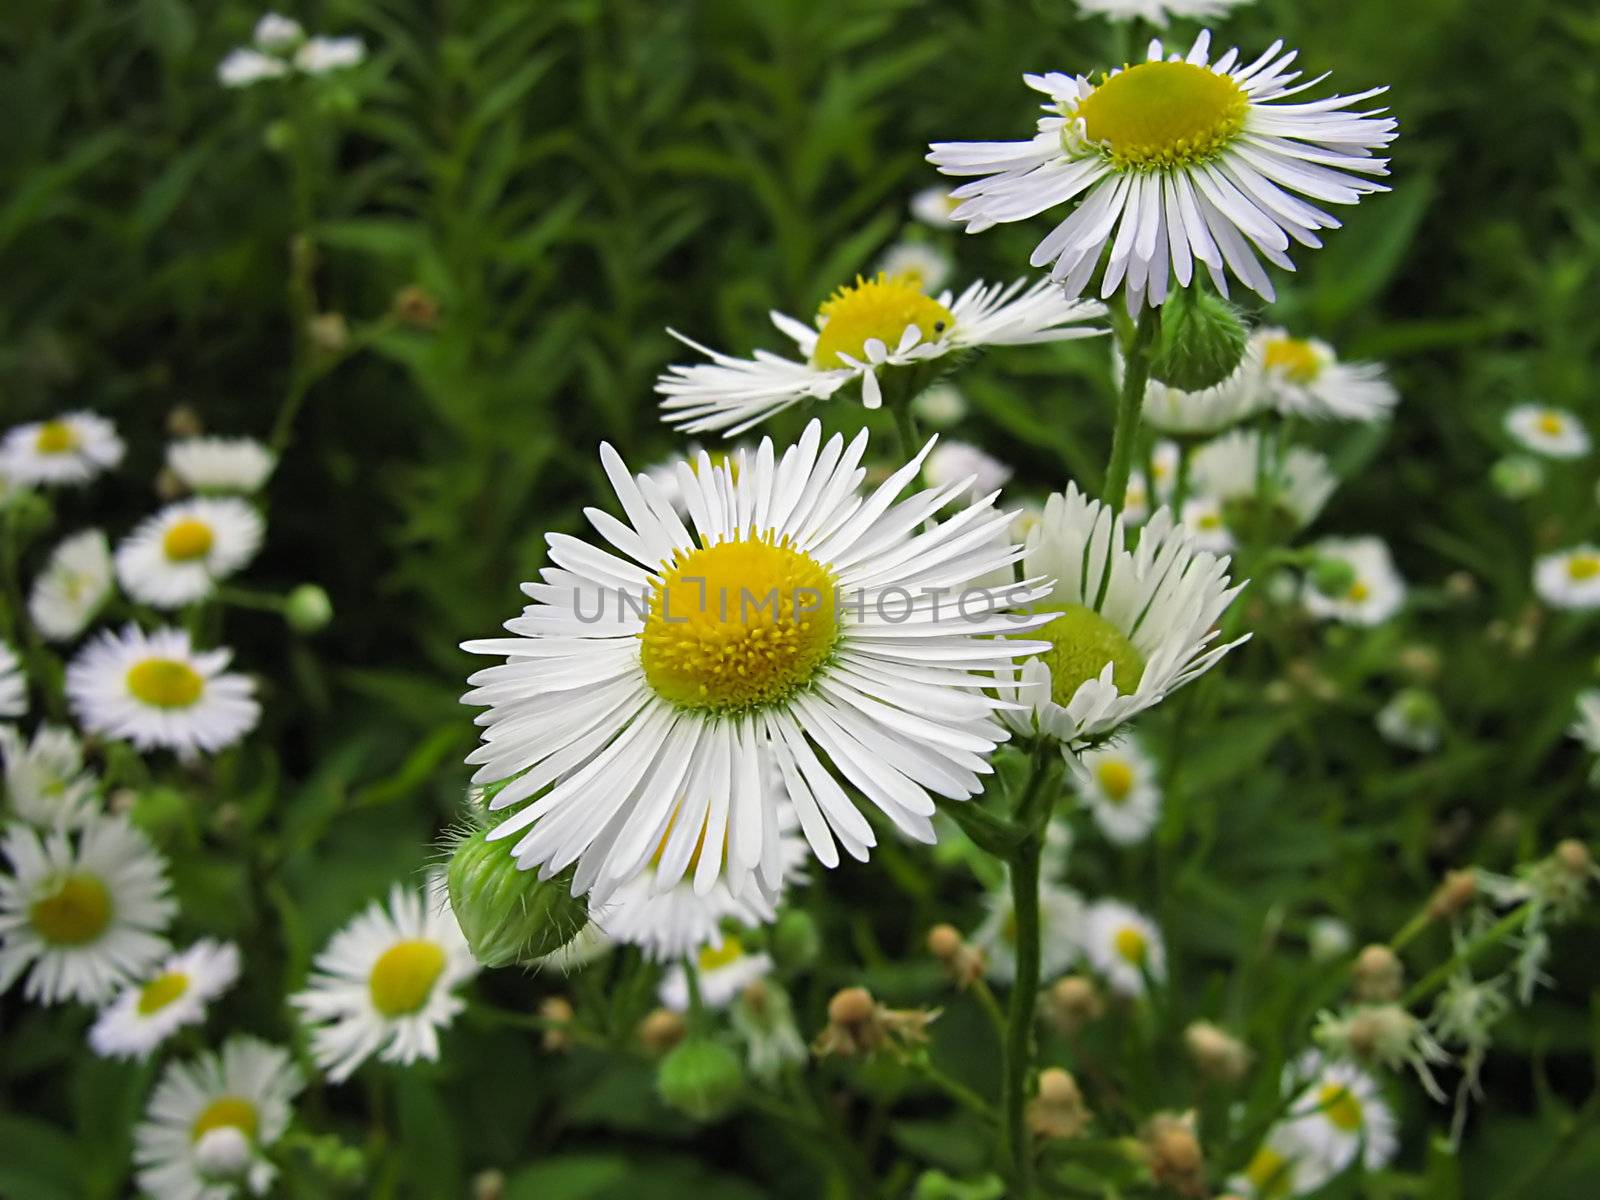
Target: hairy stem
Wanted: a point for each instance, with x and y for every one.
(1135, 377)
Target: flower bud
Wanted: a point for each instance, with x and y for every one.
(795, 943)
(413, 306)
(557, 1013)
(858, 1025)
(509, 915)
(701, 1078)
(1332, 576)
(307, 609)
(184, 422)
(1216, 1053)
(1517, 476)
(962, 962)
(936, 1185)
(1328, 938)
(1058, 1111)
(168, 485)
(1073, 1002)
(489, 1185)
(1202, 340)
(1452, 897)
(1575, 858)
(1173, 1154)
(1379, 974)
(329, 332)
(661, 1030)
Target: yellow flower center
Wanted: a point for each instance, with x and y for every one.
(225, 1112)
(403, 977)
(1160, 115)
(1082, 642)
(76, 913)
(1581, 567)
(712, 958)
(1358, 592)
(1269, 1173)
(187, 540)
(162, 991)
(1339, 1104)
(879, 308)
(1551, 424)
(738, 625)
(1130, 945)
(165, 683)
(56, 437)
(1209, 520)
(1116, 779)
(1296, 358)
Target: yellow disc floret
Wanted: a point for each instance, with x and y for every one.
(879, 308)
(1131, 945)
(403, 977)
(225, 1112)
(1163, 114)
(75, 913)
(162, 991)
(1339, 1104)
(1296, 358)
(1082, 642)
(712, 957)
(165, 683)
(1116, 779)
(56, 437)
(1271, 1174)
(1583, 567)
(187, 539)
(738, 625)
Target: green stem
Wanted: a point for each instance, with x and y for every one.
(907, 440)
(1135, 377)
(1180, 482)
(1435, 979)
(955, 1089)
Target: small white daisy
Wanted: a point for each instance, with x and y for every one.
(211, 1120)
(1207, 524)
(1552, 432)
(940, 406)
(148, 1012)
(1132, 625)
(46, 783)
(1120, 785)
(1587, 728)
(934, 206)
(1282, 1167)
(866, 329)
(1061, 932)
(244, 67)
(1173, 161)
(1376, 591)
(276, 33)
(73, 586)
(722, 971)
(1303, 377)
(1341, 1114)
(1412, 719)
(1237, 469)
(215, 464)
(319, 55)
(953, 463)
(1569, 578)
(1158, 12)
(386, 983)
(155, 690)
(919, 263)
(1124, 946)
(85, 910)
(177, 556)
(1136, 500)
(1329, 938)
(69, 449)
(13, 683)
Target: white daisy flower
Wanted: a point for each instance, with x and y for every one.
(1329, 938)
(1412, 719)
(1569, 578)
(1136, 500)
(1587, 727)
(175, 994)
(386, 983)
(211, 1120)
(940, 406)
(1061, 933)
(863, 330)
(244, 67)
(1124, 946)
(68, 449)
(1341, 1114)
(1376, 591)
(275, 32)
(722, 971)
(785, 624)
(72, 587)
(1303, 377)
(1176, 160)
(1164, 462)
(925, 266)
(215, 464)
(177, 556)
(13, 683)
(1131, 626)
(46, 783)
(1236, 469)
(952, 463)
(1172, 410)
(1120, 785)
(933, 206)
(1282, 1167)
(155, 690)
(1552, 432)
(1158, 12)
(1207, 524)
(85, 910)
(319, 55)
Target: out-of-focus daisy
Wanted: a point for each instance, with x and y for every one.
(721, 971)
(1242, 473)
(1412, 719)
(85, 910)
(1136, 500)
(1373, 592)
(1303, 377)
(1173, 161)
(919, 263)
(155, 690)
(1552, 432)
(1283, 1166)
(243, 67)
(46, 783)
(1341, 1114)
(933, 206)
(69, 449)
(1061, 932)
(1158, 12)
(73, 585)
(276, 32)
(952, 463)
(668, 668)
(13, 683)
(1329, 938)
(863, 331)
(1210, 410)
(1569, 578)
(215, 464)
(1587, 727)
(941, 405)
(1124, 946)
(177, 556)
(1120, 786)
(763, 1017)
(319, 55)
(386, 983)
(1131, 626)
(211, 1120)
(1164, 462)
(1207, 524)
(148, 1012)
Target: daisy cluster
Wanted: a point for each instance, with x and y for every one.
(279, 48)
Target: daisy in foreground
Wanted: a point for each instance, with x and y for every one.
(1173, 161)
(46, 784)
(865, 333)
(177, 556)
(214, 464)
(1126, 627)
(147, 1013)
(644, 683)
(386, 983)
(1303, 377)
(1569, 578)
(69, 449)
(13, 683)
(155, 690)
(1552, 432)
(72, 587)
(1341, 1115)
(211, 1120)
(1370, 591)
(1120, 786)
(1125, 947)
(85, 911)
